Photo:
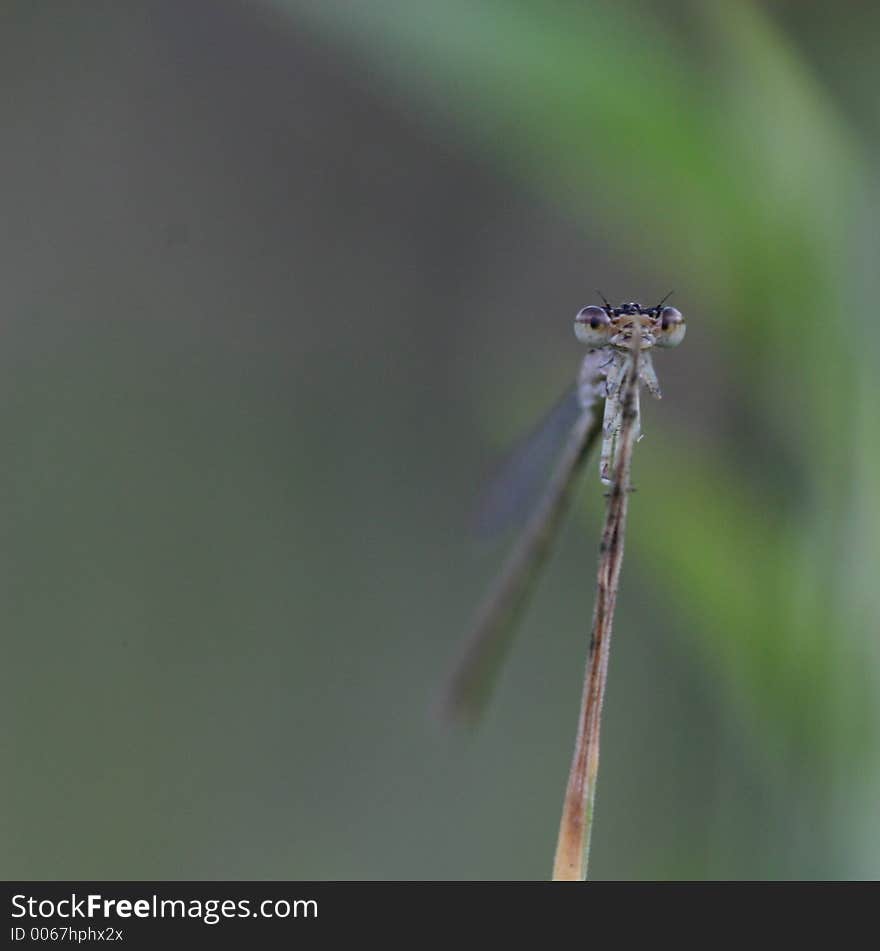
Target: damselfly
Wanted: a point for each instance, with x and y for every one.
(592, 408)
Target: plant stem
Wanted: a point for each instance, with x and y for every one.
(575, 828)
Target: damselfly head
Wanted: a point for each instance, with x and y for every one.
(658, 326)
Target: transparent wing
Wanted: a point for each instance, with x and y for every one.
(493, 626)
(514, 490)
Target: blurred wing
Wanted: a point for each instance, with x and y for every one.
(493, 626)
(514, 490)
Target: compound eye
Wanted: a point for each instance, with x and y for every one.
(592, 326)
(593, 316)
(672, 328)
(669, 317)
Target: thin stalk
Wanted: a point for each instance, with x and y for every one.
(575, 827)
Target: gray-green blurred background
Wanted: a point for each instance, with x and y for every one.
(279, 281)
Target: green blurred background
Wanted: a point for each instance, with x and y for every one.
(280, 280)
